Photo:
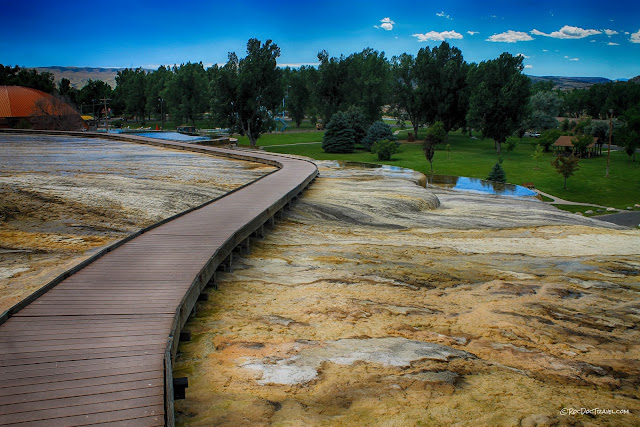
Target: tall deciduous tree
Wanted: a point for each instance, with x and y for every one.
(544, 108)
(441, 76)
(499, 97)
(130, 90)
(155, 82)
(405, 90)
(249, 90)
(187, 92)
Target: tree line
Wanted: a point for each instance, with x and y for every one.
(436, 85)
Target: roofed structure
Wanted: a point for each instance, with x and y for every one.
(565, 143)
(22, 105)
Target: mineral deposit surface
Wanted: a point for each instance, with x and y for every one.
(379, 302)
(63, 199)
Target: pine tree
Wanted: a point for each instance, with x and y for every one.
(340, 136)
(497, 174)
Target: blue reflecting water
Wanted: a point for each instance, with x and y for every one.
(165, 135)
(475, 185)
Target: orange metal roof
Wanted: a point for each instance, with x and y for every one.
(18, 101)
(566, 141)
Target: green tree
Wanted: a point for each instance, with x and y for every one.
(249, 90)
(384, 148)
(330, 92)
(499, 97)
(511, 144)
(405, 92)
(378, 131)
(441, 76)
(130, 89)
(581, 143)
(298, 93)
(544, 108)
(429, 149)
(538, 152)
(368, 75)
(27, 77)
(155, 83)
(548, 138)
(358, 122)
(187, 93)
(497, 173)
(339, 136)
(566, 166)
(629, 133)
(89, 97)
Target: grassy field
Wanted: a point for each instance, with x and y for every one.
(476, 157)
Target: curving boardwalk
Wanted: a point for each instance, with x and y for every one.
(97, 346)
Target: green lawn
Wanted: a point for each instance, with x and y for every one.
(288, 137)
(475, 158)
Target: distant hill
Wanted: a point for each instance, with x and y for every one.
(567, 83)
(78, 76)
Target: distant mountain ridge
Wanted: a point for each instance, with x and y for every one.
(78, 76)
(567, 83)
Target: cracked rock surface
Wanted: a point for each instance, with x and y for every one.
(379, 302)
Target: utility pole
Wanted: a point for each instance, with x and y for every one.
(610, 132)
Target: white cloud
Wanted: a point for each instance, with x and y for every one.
(545, 50)
(510, 37)
(443, 15)
(523, 55)
(613, 44)
(436, 36)
(568, 32)
(472, 33)
(571, 59)
(528, 66)
(387, 24)
(610, 32)
(635, 37)
(593, 41)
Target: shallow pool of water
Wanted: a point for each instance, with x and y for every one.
(475, 185)
(164, 135)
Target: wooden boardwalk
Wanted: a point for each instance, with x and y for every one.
(97, 346)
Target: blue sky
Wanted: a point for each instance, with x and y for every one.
(586, 38)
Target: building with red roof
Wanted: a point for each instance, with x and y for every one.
(26, 107)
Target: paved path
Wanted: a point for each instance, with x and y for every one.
(559, 201)
(627, 219)
(286, 145)
(97, 347)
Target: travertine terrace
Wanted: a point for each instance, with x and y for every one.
(379, 302)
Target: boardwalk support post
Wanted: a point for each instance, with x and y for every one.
(213, 281)
(227, 264)
(180, 384)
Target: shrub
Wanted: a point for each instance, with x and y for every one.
(438, 133)
(339, 136)
(377, 132)
(384, 148)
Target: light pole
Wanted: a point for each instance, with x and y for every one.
(610, 132)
